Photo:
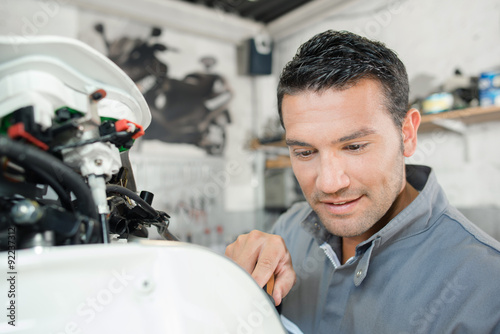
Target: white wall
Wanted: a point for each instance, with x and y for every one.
(431, 37)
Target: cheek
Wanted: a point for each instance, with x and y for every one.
(305, 176)
(372, 168)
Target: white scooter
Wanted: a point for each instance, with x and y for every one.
(75, 257)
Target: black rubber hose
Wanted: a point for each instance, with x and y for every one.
(32, 158)
(63, 195)
(129, 193)
(163, 230)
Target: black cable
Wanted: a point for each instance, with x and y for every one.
(32, 158)
(129, 193)
(63, 195)
(162, 229)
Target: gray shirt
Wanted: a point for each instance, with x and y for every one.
(429, 270)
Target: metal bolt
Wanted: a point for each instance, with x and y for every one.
(25, 212)
(80, 129)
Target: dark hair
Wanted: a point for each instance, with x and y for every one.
(338, 60)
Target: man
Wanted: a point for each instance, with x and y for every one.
(376, 248)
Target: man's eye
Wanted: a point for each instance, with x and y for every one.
(304, 154)
(356, 147)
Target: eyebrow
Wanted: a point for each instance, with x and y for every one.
(355, 135)
(358, 134)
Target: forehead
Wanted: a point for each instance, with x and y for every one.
(324, 117)
(337, 111)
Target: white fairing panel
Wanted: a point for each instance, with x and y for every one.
(157, 287)
(50, 72)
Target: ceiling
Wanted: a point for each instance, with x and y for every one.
(263, 11)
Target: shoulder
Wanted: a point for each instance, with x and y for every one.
(462, 231)
(447, 245)
(447, 274)
(454, 247)
(467, 261)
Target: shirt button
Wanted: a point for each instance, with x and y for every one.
(359, 273)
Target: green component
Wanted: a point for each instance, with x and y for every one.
(73, 112)
(79, 113)
(104, 119)
(123, 149)
(5, 123)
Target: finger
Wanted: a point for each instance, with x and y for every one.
(283, 284)
(229, 251)
(247, 249)
(266, 265)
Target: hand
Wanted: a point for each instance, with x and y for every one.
(262, 255)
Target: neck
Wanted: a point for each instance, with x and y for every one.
(407, 195)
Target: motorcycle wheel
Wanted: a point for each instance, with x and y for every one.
(214, 138)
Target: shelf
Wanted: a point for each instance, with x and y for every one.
(280, 161)
(276, 152)
(256, 144)
(429, 121)
(466, 116)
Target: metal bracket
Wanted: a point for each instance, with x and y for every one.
(457, 126)
(453, 125)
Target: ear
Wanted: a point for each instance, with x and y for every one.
(410, 126)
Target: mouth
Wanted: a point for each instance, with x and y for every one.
(342, 203)
(341, 207)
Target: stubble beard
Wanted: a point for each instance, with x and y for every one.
(357, 223)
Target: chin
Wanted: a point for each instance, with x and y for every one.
(345, 227)
(341, 228)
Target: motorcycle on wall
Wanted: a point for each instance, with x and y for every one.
(192, 110)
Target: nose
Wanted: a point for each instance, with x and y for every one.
(331, 175)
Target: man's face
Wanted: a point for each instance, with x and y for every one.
(346, 153)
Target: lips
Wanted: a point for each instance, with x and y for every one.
(341, 207)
